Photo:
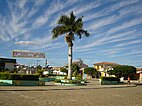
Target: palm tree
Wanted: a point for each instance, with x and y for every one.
(70, 26)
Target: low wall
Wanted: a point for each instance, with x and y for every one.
(21, 83)
(51, 78)
(46, 79)
(108, 82)
(27, 83)
(69, 84)
(6, 82)
(60, 77)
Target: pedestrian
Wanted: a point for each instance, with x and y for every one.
(128, 80)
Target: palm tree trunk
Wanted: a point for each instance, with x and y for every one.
(70, 62)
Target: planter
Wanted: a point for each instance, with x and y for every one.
(67, 84)
(60, 77)
(83, 82)
(6, 82)
(46, 79)
(70, 82)
(27, 83)
(21, 83)
(64, 81)
(108, 82)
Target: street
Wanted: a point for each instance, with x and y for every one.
(127, 96)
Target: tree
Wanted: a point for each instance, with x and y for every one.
(70, 26)
(40, 72)
(39, 67)
(91, 71)
(64, 70)
(122, 71)
(75, 69)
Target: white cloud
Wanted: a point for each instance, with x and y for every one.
(112, 20)
(131, 10)
(17, 19)
(122, 34)
(108, 39)
(21, 3)
(129, 43)
(47, 44)
(40, 21)
(27, 43)
(79, 9)
(11, 25)
(107, 10)
(46, 39)
(55, 6)
(102, 22)
(121, 4)
(86, 7)
(39, 2)
(43, 19)
(134, 52)
(125, 25)
(50, 46)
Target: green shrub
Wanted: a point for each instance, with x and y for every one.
(30, 77)
(57, 81)
(78, 77)
(65, 77)
(74, 81)
(109, 78)
(46, 75)
(85, 80)
(4, 76)
(55, 75)
(40, 72)
(14, 77)
(11, 76)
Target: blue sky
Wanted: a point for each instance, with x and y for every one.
(115, 28)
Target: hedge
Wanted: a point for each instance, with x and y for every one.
(55, 75)
(109, 79)
(11, 76)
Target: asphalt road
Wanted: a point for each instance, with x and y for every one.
(127, 96)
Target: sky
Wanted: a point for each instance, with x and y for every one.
(115, 28)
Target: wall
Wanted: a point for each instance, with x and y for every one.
(9, 66)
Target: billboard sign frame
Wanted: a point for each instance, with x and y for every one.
(27, 54)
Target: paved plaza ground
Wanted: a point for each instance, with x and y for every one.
(90, 95)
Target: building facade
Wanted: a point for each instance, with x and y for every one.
(103, 67)
(139, 73)
(7, 64)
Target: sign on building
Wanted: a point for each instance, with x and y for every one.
(27, 54)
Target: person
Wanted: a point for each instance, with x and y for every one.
(128, 80)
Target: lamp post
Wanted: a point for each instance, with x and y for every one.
(46, 63)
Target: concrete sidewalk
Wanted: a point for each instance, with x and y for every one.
(135, 82)
(93, 84)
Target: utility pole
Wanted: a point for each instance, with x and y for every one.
(46, 63)
(37, 64)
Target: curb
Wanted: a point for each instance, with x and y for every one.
(78, 88)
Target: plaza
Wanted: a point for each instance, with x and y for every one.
(53, 95)
(70, 53)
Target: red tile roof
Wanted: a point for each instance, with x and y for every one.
(106, 63)
(138, 69)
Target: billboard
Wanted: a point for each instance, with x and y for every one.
(27, 54)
